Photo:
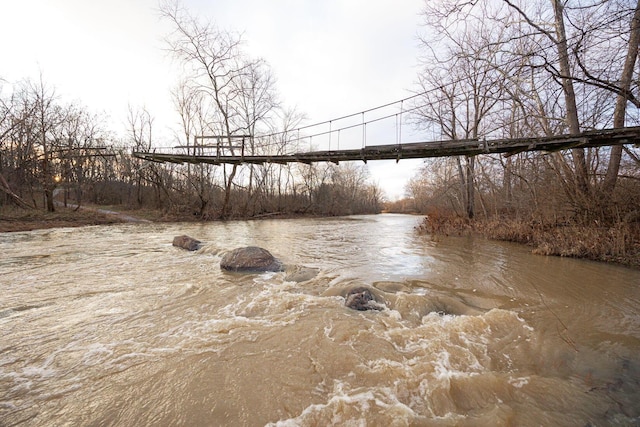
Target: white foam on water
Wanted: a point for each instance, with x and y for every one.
(411, 384)
(328, 330)
(265, 276)
(268, 304)
(96, 354)
(347, 407)
(24, 382)
(276, 302)
(441, 350)
(519, 382)
(38, 372)
(19, 382)
(394, 314)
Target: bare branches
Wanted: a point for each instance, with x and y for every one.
(526, 68)
(236, 94)
(529, 21)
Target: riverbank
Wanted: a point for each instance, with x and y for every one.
(16, 219)
(618, 243)
(13, 219)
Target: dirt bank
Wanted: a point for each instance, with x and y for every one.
(24, 220)
(18, 219)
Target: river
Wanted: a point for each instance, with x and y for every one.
(113, 326)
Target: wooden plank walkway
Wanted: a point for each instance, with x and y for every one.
(414, 150)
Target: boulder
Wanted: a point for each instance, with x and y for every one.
(186, 242)
(251, 259)
(362, 299)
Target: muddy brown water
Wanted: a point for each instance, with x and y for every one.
(113, 326)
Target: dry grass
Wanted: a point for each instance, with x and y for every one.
(445, 225)
(619, 243)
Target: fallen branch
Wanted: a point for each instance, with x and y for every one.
(4, 186)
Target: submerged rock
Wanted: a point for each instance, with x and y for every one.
(362, 299)
(301, 274)
(186, 242)
(250, 259)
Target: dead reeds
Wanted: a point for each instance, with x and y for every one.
(618, 242)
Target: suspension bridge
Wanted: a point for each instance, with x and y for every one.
(360, 128)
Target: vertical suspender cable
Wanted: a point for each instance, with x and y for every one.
(364, 132)
(397, 130)
(400, 127)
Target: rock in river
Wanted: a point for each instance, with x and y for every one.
(362, 299)
(186, 242)
(251, 259)
(300, 274)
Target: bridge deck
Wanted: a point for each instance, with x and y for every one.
(606, 137)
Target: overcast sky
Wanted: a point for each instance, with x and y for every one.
(330, 57)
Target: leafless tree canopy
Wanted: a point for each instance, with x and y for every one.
(52, 153)
(515, 68)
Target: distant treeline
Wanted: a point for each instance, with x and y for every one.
(52, 152)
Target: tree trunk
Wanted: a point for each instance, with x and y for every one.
(619, 113)
(470, 196)
(466, 173)
(507, 183)
(227, 191)
(580, 164)
(48, 187)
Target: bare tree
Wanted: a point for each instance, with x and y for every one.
(217, 67)
(597, 31)
(193, 119)
(619, 114)
(257, 103)
(586, 49)
(10, 120)
(141, 137)
(461, 91)
(79, 145)
(47, 116)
